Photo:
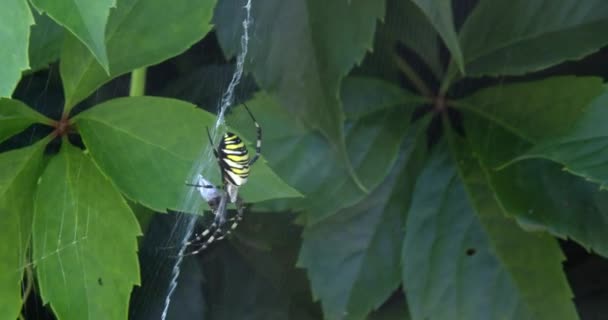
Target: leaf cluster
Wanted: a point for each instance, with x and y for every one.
(421, 158)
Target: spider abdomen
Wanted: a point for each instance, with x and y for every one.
(234, 159)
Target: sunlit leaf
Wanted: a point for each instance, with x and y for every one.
(461, 252)
(85, 19)
(510, 37)
(139, 33)
(84, 240)
(15, 21)
(19, 171)
(150, 147)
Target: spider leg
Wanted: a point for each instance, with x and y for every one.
(236, 219)
(258, 143)
(208, 186)
(217, 235)
(214, 231)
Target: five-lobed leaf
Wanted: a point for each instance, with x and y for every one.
(513, 37)
(463, 259)
(150, 147)
(139, 33)
(19, 172)
(85, 19)
(15, 116)
(15, 21)
(301, 54)
(84, 240)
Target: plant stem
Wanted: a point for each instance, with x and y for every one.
(413, 76)
(138, 82)
(29, 278)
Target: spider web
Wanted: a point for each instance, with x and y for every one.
(207, 157)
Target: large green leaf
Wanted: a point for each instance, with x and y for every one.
(45, 42)
(85, 19)
(300, 52)
(139, 33)
(15, 116)
(463, 259)
(19, 171)
(151, 146)
(510, 37)
(15, 21)
(84, 240)
(439, 14)
(378, 114)
(352, 258)
(538, 193)
(582, 150)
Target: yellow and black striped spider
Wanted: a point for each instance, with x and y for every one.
(234, 162)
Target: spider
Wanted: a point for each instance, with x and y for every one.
(234, 162)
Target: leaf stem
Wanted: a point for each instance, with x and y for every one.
(450, 76)
(412, 76)
(29, 278)
(138, 82)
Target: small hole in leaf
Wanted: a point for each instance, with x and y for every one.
(470, 251)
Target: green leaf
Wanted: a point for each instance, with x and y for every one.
(507, 120)
(85, 19)
(309, 57)
(84, 240)
(15, 116)
(364, 96)
(352, 257)
(404, 24)
(19, 171)
(15, 21)
(455, 230)
(45, 42)
(150, 147)
(139, 33)
(582, 149)
(536, 110)
(379, 115)
(512, 37)
(439, 13)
